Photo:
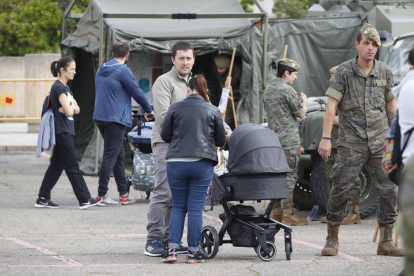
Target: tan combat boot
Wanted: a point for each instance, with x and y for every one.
(332, 244)
(289, 218)
(324, 219)
(277, 212)
(353, 216)
(386, 245)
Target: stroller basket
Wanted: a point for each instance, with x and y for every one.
(243, 235)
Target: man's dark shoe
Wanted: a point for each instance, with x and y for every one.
(45, 203)
(180, 250)
(154, 248)
(90, 203)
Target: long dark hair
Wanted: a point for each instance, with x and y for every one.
(199, 84)
(61, 63)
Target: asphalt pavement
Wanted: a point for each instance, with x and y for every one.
(110, 240)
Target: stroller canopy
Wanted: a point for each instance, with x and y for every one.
(255, 149)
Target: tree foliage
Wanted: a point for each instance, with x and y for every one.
(31, 26)
(247, 5)
(292, 9)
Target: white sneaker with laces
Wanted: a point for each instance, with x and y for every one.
(106, 201)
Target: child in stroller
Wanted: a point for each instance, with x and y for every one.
(257, 171)
(139, 142)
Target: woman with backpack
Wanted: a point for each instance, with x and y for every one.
(64, 106)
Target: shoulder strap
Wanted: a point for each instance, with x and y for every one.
(408, 139)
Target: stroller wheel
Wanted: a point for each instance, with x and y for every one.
(267, 256)
(209, 241)
(288, 250)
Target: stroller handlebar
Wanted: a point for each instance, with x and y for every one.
(142, 116)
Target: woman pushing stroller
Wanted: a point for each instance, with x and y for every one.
(193, 127)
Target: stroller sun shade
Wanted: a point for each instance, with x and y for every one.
(254, 149)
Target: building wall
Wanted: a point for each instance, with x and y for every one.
(31, 66)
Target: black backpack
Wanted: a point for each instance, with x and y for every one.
(392, 156)
(45, 105)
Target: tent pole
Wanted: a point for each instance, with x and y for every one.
(65, 16)
(264, 58)
(101, 60)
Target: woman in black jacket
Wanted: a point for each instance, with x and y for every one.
(193, 127)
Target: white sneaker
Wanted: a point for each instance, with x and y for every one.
(106, 201)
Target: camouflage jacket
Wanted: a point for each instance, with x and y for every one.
(363, 121)
(282, 106)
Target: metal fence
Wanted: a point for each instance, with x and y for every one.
(22, 99)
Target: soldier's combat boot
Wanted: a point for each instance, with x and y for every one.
(353, 216)
(289, 217)
(324, 219)
(332, 244)
(277, 212)
(386, 245)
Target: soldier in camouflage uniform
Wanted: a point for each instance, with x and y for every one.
(283, 105)
(353, 216)
(361, 90)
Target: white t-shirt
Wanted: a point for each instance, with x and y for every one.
(406, 117)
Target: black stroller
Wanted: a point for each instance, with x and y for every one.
(257, 171)
(142, 172)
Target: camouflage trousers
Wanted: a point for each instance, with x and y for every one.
(406, 203)
(347, 167)
(293, 161)
(355, 192)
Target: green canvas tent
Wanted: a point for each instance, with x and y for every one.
(152, 28)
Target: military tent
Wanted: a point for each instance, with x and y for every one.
(152, 28)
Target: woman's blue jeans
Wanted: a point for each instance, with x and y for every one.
(188, 183)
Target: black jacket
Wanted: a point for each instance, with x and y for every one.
(193, 128)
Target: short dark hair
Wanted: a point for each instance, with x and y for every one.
(410, 58)
(359, 37)
(59, 64)
(281, 70)
(181, 45)
(120, 49)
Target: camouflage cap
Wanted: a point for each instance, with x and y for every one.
(333, 69)
(289, 63)
(222, 61)
(370, 33)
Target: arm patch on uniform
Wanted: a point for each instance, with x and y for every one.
(300, 112)
(389, 96)
(333, 93)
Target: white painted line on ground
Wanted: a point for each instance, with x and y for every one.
(45, 251)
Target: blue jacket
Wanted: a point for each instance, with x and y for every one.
(46, 138)
(114, 86)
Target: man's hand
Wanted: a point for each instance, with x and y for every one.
(148, 114)
(228, 133)
(336, 120)
(324, 149)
